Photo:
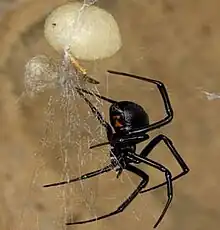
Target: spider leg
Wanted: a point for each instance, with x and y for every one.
(99, 145)
(164, 95)
(179, 159)
(133, 138)
(83, 177)
(125, 139)
(168, 176)
(133, 195)
(97, 114)
(97, 95)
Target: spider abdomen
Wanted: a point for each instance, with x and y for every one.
(128, 115)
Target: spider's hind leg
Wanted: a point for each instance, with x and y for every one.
(168, 177)
(147, 150)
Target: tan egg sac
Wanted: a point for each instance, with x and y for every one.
(90, 33)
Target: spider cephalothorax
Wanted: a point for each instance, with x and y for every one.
(127, 115)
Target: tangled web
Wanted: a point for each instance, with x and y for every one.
(69, 130)
(69, 127)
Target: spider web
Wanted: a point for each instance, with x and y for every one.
(63, 127)
(69, 129)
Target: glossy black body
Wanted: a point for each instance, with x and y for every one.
(133, 116)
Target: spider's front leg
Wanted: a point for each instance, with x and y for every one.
(165, 97)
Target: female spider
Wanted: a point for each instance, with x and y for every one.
(130, 126)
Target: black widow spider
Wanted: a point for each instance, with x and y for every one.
(131, 125)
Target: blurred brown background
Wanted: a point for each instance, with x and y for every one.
(176, 42)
